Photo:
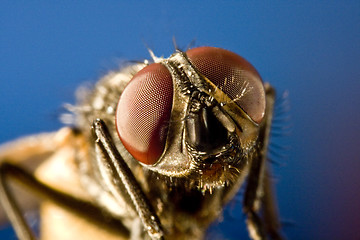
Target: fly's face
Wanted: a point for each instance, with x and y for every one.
(157, 152)
(195, 114)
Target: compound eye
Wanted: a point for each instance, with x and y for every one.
(234, 76)
(143, 113)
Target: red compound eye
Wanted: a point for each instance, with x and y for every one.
(143, 113)
(233, 75)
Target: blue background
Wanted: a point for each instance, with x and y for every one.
(311, 49)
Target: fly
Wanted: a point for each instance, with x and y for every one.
(156, 152)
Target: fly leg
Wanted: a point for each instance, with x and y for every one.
(11, 208)
(271, 218)
(14, 159)
(28, 152)
(114, 170)
(86, 209)
(258, 191)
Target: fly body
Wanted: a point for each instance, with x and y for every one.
(156, 151)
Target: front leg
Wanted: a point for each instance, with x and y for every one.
(258, 191)
(114, 170)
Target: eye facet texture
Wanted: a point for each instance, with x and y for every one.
(234, 76)
(143, 113)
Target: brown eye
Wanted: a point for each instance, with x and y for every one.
(234, 76)
(143, 113)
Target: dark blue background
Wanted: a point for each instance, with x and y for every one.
(311, 49)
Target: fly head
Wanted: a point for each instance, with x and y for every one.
(194, 115)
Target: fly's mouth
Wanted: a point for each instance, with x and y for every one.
(213, 143)
(210, 138)
(230, 153)
(209, 132)
(220, 167)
